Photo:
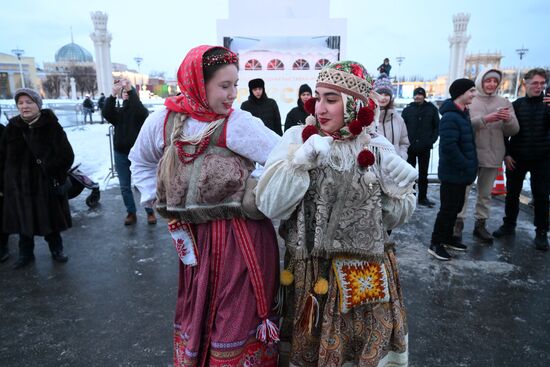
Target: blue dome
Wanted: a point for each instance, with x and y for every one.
(72, 52)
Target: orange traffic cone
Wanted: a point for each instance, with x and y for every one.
(499, 187)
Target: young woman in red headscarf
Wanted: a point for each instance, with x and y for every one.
(195, 159)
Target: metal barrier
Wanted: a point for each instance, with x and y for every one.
(112, 171)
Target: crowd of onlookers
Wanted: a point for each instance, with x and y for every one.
(478, 131)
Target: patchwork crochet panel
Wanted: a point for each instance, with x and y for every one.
(360, 282)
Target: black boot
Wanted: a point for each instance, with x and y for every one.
(541, 240)
(26, 252)
(60, 256)
(481, 232)
(23, 261)
(55, 243)
(424, 201)
(4, 250)
(504, 230)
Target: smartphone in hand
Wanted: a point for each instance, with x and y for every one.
(547, 91)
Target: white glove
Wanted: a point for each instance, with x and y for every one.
(402, 173)
(313, 151)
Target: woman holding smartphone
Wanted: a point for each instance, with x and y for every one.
(493, 119)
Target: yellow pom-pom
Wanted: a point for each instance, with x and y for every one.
(321, 287)
(310, 120)
(286, 277)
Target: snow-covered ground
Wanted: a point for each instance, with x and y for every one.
(91, 147)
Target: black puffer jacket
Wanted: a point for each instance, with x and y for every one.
(422, 120)
(127, 120)
(457, 148)
(31, 157)
(533, 140)
(265, 109)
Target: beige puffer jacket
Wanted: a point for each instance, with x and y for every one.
(489, 136)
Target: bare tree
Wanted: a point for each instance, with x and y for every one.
(85, 79)
(52, 85)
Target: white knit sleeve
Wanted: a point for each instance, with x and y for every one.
(398, 203)
(249, 137)
(283, 184)
(145, 156)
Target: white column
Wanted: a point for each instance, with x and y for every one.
(102, 43)
(98, 65)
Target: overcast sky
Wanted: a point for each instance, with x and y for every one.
(162, 32)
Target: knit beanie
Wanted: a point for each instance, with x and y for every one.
(304, 88)
(256, 83)
(31, 93)
(383, 85)
(459, 87)
(419, 90)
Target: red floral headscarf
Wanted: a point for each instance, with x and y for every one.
(193, 101)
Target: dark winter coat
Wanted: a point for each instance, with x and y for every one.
(101, 102)
(384, 68)
(422, 120)
(127, 120)
(457, 148)
(31, 158)
(88, 104)
(265, 109)
(533, 140)
(297, 115)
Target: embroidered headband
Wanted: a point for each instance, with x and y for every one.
(345, 81)
(225, 58)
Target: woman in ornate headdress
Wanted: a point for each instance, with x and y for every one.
(338, 186)
(205, 153)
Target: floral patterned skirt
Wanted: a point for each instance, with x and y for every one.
(216, 312)
(369, 335)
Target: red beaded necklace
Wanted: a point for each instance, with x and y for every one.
(187, 158)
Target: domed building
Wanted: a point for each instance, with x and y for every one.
(73, 53)
(71, 61)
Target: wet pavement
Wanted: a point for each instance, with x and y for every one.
(112, 304)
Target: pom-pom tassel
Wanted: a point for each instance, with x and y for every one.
(355, 127)
(365, 158)
(321, 287)
(310, 314)
(308, 131)
(267, 332)
(309, 106)
(310, 120)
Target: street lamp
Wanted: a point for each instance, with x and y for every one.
(138, 61)
(521, 51)
(399, 60)
(18, 52)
